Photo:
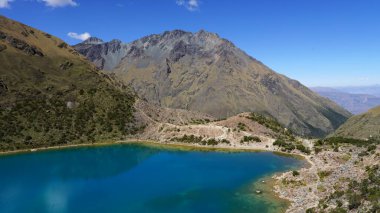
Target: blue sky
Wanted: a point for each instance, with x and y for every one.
(318, 42)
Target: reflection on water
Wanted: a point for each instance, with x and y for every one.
(134, 178)
(78, 163)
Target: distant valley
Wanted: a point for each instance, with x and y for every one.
(370, 90)
(357, 100)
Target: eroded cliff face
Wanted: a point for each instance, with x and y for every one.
(105, 55)
(203, 72)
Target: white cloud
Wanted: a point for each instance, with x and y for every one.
(82, 37)
(191, 5)
(49, 3)
(5, 3)
(59, 3)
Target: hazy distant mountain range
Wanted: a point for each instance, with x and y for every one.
(370, 90)
(203, 72)
(355, 99)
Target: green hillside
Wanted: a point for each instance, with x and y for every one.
(363, 126)
(50, 95)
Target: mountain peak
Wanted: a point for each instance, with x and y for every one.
(115, 41)
(204, 33)
(93, 40)
(204, 72)
(175, 33)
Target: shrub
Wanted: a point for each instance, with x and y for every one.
(341, 140)
(200, 140)
(310, 210)
(317, 150)
(354, 201)
(284, 145)
(250, 139)
(323, 174)
(241, 126)
(339, 203)
(371, 148)
(303, 149)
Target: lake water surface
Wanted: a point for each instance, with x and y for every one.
(138, 178)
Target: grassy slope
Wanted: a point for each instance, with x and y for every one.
(35, 92)
(362, 126)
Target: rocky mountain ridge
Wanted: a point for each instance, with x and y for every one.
(204, 72)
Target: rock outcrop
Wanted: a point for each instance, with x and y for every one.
(104, 55)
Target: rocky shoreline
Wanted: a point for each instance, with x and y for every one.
(330, 171)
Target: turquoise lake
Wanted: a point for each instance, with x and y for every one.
(138, 178)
